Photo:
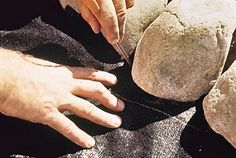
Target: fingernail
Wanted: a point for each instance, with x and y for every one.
(95, 26)
(91, 142)
(116, 121)
(120, 105)
(95, 29)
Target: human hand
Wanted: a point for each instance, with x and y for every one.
(37, 93)
(108, 16)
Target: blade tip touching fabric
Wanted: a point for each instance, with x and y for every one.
(122, 52)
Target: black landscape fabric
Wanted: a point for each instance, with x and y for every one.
(152, 127)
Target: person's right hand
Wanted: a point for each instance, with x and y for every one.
(38, 91)
(108, 16)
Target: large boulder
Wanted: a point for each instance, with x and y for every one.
(139, 17)
(220, 105)
(185, 48)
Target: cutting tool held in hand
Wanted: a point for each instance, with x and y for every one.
(122, 52)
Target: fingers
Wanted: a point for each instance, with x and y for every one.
(110, 16)
(62, 124)
(93, 74)
(89, 17)
(120, 6)
(92, 5)
(96, 90)
(129, 3)
(105, 13)
(109, 21)
(87, 110)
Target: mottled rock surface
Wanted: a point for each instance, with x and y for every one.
(185, 48)
(139, 17)
(220, 105)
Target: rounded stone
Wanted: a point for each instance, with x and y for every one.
(185, 49)
(220, 105)
(139, 17)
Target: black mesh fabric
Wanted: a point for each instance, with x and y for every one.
(152, 127)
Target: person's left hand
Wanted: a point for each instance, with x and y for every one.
(108, 16)
(38, 91)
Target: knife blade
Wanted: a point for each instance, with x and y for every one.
(122, 52)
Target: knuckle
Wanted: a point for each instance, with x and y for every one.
(107, 14)
(99, 88)
(46, 110)
(46, 114)
(88, 109)
(109, 19)
(121, 16)
(68, 129)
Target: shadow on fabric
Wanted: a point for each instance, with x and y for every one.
(204, 143)
(142, 109)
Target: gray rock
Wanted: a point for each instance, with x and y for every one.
(220, 105)
(139, 17)
(185, 48)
